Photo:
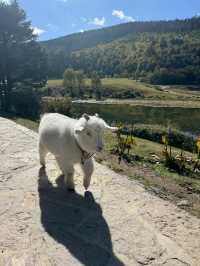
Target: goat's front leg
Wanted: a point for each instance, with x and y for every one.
(88, 168)
(69, 179)
(68, 172)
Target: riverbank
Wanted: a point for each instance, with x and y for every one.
(148, 103)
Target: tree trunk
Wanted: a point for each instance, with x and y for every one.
(7, 76)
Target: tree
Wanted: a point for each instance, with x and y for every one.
(70, 81)
(96, 85)
(19, 52)
(74, 82)
(80, 83)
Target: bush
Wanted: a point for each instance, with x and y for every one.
(60, 105)
(177, 138)
(187, 75)
(25, 102)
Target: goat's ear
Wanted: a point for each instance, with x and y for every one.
(97, 115)
(86, 116)
(79, 129)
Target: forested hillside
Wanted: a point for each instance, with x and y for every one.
(165, 52)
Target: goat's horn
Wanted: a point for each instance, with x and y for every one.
(111, 128)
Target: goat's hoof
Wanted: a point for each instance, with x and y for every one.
(43, 166)
(71, 189)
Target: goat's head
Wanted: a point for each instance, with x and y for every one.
(89, 132)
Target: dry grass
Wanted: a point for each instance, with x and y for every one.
(150, 92)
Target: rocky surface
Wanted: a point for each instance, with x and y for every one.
(116, 223)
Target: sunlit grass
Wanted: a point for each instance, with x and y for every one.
(149, 91)
(31, 124)
(55, 83)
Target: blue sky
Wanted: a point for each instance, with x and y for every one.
(54, 18)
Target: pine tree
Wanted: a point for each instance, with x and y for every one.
(16, 50)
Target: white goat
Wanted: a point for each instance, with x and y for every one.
(72, 141)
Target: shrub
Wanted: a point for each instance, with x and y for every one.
(178, 138)
(56, 105)
(25, 102)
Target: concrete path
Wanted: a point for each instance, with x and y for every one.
(116, 223)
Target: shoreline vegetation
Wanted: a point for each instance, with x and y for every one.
(149, 103)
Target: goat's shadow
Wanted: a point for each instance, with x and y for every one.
(76, 222)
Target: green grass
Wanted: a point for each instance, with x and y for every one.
(150, 92)
(154, 176)
(143, 148)
(31, 124)
(26, 122)
(55, 83)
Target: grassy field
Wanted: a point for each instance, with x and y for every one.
(33, 125)
(153, 175)
(150, 92)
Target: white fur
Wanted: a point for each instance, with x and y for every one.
(60, 134)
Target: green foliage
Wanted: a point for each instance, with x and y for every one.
(96, 86)
(88, 39)
(155, 133)
(123, 145)
(106, 88)
(163, 52)
(21, 57)
(25, 102)
(146, 58)
(60, 105)
(179, 162)
(73, 81)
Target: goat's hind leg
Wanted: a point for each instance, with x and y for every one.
(42, 154)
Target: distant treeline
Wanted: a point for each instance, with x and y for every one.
(163, 52)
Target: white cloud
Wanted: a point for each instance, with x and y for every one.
(98, 21)
(37, 31)
(120, 14)
(81, 30)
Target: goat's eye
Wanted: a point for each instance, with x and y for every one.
(89, 134)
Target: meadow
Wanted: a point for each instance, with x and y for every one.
(149, 92)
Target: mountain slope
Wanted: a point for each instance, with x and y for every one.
(162, 52)
(91, 38)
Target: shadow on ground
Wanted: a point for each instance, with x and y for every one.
(76, 222)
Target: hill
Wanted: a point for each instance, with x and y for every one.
(78, 41)
(166, 52)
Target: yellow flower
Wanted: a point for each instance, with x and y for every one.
(165, 140)
(198, 143)
(120, 125)
(131, 141)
